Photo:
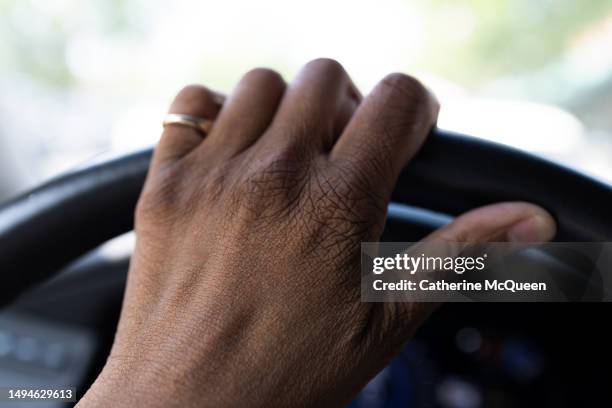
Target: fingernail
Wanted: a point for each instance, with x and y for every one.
(536, 228)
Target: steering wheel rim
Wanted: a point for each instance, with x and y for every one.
(43, 230)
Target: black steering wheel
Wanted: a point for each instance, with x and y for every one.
(45, 229)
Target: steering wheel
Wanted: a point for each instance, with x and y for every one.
(45, 229)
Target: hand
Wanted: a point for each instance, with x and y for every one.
(244, 286)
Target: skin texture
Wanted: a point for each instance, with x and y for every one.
(244, 286)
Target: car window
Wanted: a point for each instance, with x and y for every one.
(79, 78)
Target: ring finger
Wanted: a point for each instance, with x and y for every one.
(178, 140)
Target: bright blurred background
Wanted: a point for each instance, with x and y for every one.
(78, 78)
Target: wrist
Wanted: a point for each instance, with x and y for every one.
(125, 383)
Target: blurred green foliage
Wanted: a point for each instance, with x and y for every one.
(467, 41)
(506, 36)
(34, 43)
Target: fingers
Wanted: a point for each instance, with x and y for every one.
(177, 141)
(517, 222)
(316, 105)
(247, 113)
(343, 115)
(314, 111)
(387, 129)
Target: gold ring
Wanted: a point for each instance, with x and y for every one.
(200, 124)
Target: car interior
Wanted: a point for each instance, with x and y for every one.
(65, 249)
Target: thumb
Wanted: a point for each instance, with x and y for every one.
(517, 222)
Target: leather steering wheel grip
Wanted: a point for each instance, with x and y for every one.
(45, 229)
(455, 173)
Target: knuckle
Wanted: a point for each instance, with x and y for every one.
(282, 166)
(410, 105)
(406, 86)
(174, 194)
(197, 100)
(274, 179)
(194, 92)
(455, 232)
(161, 199)
(327, 66)
(265, 75)
(372, 172)
(344, 209)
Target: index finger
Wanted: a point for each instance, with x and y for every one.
(387, 130)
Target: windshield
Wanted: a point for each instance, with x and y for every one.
(80, 78)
